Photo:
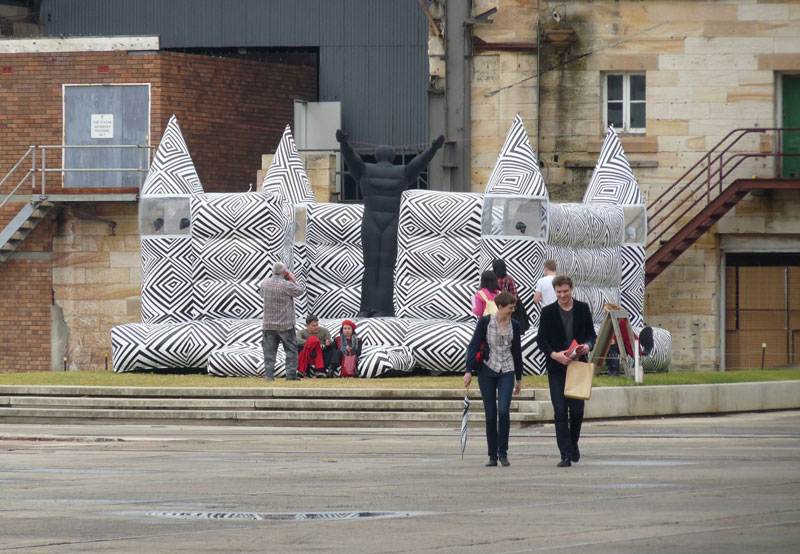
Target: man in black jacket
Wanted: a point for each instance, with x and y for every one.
(562, 322)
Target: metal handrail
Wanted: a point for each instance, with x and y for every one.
(710, 159)
(43, 170)
(31, 149)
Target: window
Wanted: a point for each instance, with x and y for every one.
(514, 217)
(624, 102)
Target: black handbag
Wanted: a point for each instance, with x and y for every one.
(521, 315)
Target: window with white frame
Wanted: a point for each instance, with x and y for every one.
(624, 103)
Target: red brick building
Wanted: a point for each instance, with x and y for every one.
(231, 112)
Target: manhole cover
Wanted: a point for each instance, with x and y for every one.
(284, 516)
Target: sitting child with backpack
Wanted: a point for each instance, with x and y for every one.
(348, 349)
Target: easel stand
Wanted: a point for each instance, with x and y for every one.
(617, 325)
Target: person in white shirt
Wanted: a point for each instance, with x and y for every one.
(543, 291)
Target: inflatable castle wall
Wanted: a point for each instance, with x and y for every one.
(204, 255)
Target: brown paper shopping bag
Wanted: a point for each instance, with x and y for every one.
(579, 380)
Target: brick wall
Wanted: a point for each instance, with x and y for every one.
(231, 111)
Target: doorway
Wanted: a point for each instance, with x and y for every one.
(790, 117)
(762, 310)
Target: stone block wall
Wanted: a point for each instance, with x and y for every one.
(97, 277)
(710, 68)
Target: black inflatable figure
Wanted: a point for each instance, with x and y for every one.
(382, 184)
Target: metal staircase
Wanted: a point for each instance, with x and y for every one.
(685, 211)
(21, 226)
(40, 204)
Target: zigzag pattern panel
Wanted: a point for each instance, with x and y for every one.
(172, 171)
(586, 225)
(524, 262)
(437, 214)
(660, 357)
(167, 280)
(236, 238)
(243, 360)
(286, 176)
(335, 259)
(437, 258)
(533, 361)
(436, 278)
(244, 331)
(596, 297)
(440, 345)
(599, 267)
(381, 330)
(631, 294)
(299, 266)
(167, 346)
(612, 181)
(516, 171)
(126, 343)
(378, 361)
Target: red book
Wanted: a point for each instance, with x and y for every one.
(572, 350)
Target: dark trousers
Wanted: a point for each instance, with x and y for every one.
(568, 413)
(496, 391)
(269, 342)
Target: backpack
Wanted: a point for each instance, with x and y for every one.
(491, 307)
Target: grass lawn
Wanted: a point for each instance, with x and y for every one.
(109, 379)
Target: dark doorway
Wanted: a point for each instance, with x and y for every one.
(790, 117)
(762, 310)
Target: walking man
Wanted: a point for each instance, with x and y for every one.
(561, 323)
(279, 292)
(543, 291)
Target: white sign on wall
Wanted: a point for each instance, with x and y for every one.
(102, 125)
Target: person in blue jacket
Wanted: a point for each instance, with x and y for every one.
(497, 338)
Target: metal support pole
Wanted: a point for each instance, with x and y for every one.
(33, 168)
(44, 165)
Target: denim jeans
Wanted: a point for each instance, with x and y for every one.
(568, 413)
(496, 390)
(269, 341)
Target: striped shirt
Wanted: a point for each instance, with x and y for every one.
(500, 358)
(278, 294)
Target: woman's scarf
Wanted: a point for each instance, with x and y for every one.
(343, 343)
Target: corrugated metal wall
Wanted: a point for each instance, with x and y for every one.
(373, 53)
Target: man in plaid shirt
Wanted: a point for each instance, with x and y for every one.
(279, 292)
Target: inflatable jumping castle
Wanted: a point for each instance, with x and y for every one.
(204, 255)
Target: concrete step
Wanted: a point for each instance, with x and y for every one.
(255, 417)
(306, 404)
(250, 392)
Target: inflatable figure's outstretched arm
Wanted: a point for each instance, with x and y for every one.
(415, 166)
(351, 158)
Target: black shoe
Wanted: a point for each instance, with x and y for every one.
(564, 463)
(576, 454)
(492, 462)
(504, 461)
(293, 378)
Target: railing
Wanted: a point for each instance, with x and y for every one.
(42, 170)
(708, 173)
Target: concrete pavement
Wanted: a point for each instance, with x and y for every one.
(706, 484)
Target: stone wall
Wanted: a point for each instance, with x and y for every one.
(710, 68)
(96, 280)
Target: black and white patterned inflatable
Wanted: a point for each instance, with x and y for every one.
(203, 256)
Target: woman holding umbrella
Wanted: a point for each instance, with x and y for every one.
(495, 352)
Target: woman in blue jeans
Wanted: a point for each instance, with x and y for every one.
(497, 339)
